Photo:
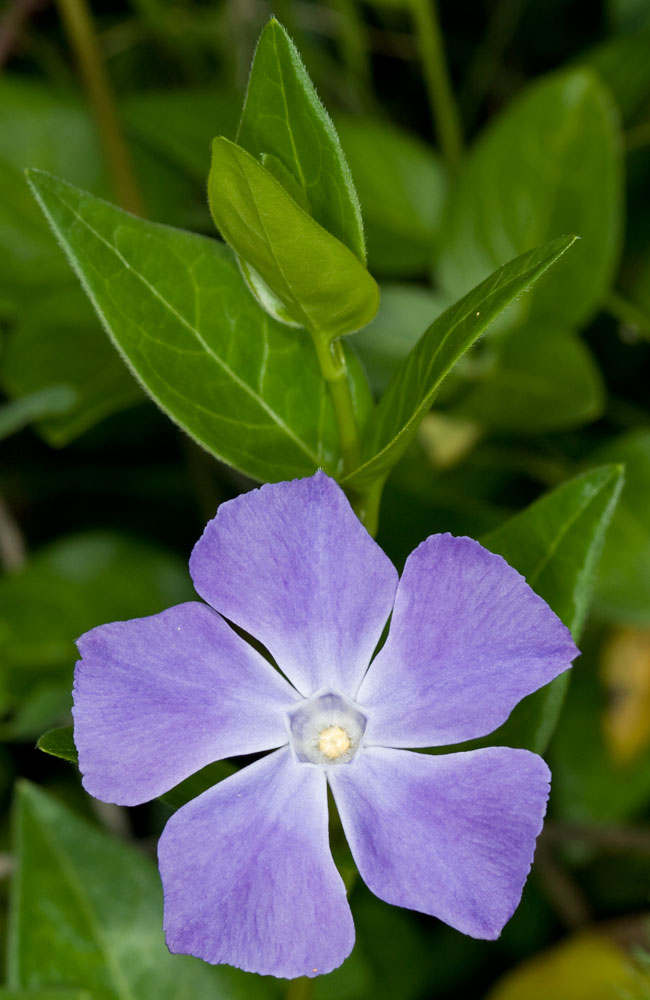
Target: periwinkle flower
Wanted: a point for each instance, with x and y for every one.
(246, 867)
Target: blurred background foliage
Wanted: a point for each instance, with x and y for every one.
(101, 497)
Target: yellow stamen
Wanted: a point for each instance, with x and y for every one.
(333, 742)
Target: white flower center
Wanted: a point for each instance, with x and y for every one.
(326, 729)
(334, 741)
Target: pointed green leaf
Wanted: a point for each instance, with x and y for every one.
(175, 306)
(556, 544)
(286, 179)
(550, 164)
(59, 743)
(416, 382)
(86, 909)
(320, 282)
(197, 783)
(283, 116)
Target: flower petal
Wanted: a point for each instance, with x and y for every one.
(248, 876)
(158, 698)
(452, 836)
(292, 565)
(468, 639)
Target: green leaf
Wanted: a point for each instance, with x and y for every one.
(86, 909)
(283, 116)
(623, 587)
(550, 164)
(59, 743)
(57, 340)
(175, 306)
(318, 280)
(65, 589)
(534, 379)
(286, 179)
(197, 783)
(556, 544)
(402, 189)
(416, 382)
(48, 402)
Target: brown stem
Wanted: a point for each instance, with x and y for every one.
(562, 891)
(13, 552)
(607, 838)
(78, 24)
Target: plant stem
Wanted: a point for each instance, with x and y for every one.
(445, 113)
(77, 20)
(13, 552)
(299, 989)
(366, 505)
(331, 359)
(333, 366)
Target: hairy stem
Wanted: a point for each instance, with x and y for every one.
(445, 113)
(331, 359)
(78, 24)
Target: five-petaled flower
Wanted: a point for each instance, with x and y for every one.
(246, 867)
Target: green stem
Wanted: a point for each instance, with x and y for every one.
(331, 359)
(77, 20)
(366, 505)
(299, 989)
(628, 313)
(445, 113)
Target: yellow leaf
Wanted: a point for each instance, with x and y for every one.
(585, 967)
(625, 670)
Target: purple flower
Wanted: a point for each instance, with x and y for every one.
(246, 867)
